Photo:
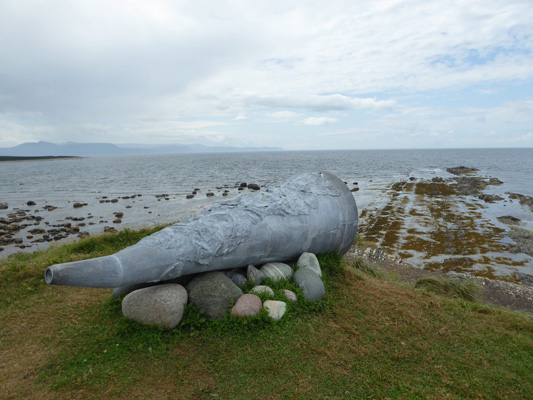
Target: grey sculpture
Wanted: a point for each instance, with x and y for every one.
(314, 212)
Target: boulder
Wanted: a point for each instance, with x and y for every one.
(276, 309)
(309, 260)
(262, 289)
(161, 305)
(254, 275)
(124, 290)
(247, 305)
(213, 292)
(312, 286)
(277, 271)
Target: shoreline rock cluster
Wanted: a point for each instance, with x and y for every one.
(220, 292)
(440, 224)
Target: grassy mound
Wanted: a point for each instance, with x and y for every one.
(370, 338)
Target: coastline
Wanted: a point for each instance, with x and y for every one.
(35, 158)
(449, 223)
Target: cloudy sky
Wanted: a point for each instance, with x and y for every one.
(352, 74)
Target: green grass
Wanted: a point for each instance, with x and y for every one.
(371, 337)
(22, 274)
(461, 289)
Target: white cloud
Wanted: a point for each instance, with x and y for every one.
(68, 65)
(283, 115)
(317, 121)
(323, 102)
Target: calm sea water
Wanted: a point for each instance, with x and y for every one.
(178, 173)
(63, 182)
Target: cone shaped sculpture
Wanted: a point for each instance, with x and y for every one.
(314, 212)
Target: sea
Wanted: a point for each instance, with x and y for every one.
(152, 189)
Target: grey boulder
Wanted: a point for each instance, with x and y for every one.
(277, 271)
(309, 260)
(161, 305)
(312, 286)
(248, 305)
(213, 292)
(124, 290)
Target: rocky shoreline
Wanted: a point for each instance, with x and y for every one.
(35, 225)
(454, 224)
(445, 224)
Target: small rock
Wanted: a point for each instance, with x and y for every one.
(262, 289)
(276, 309)
(312, 286)
(189, 196)
(237, 278)
(277, 271)
(4, 206)
(247, 305)
(253, 186)
(209, 194)
(309, 260)
(290, 295)
(254, 275)
(161, 305)
(78, 205)
(117, 221)
(508, 219)
(30, 203)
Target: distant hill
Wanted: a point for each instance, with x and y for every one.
(107, 149)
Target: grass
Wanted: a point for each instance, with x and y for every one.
(370, 338)
(461, 289)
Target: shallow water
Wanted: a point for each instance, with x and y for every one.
(61, 183)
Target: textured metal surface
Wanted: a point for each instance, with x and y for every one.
(314, 212)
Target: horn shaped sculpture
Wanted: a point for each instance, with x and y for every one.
(314, 212)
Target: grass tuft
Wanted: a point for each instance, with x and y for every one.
(365, 267)
(465, 290)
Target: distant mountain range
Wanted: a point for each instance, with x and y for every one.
(108, 149)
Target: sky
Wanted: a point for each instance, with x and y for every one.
(301, 75)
